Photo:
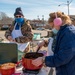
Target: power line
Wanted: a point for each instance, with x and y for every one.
(68, 4)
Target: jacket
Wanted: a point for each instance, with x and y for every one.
(64, 54)
(26, 32)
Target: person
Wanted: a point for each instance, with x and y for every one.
(64, 51)
(28, 22)
(50, 43)
(20, 31)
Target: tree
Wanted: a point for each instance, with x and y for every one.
(5, 20)
(3, 15)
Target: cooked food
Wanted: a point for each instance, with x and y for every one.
(7, 66)
(33, 55)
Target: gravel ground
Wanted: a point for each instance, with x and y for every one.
(43, 33)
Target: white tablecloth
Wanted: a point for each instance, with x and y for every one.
(43, 71)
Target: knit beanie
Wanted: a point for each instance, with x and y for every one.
(18, 11)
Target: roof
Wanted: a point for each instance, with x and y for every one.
(72, 17)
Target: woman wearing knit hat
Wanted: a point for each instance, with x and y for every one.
(20, 32)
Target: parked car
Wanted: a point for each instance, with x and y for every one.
(4, 27)
(40, 28)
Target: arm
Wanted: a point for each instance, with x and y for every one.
(8, 32)
(65, 53)
(51, 34)
(45, 43)
(41, 44)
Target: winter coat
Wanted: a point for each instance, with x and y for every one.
(26, 32)
(64, 54)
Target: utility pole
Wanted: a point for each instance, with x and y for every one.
(68, 4)
(43, 19)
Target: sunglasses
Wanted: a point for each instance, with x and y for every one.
(18, 16)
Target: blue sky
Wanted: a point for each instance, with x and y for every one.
(33, 8)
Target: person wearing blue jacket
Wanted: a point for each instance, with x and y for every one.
(64, 52)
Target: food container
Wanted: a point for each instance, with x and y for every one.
(7, 69)
(0, 69)
(28, 58)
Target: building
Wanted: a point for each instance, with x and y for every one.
(5, 22)
(73, 19)
(38, 23)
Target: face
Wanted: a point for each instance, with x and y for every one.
(18, 16)
(57, 27)
(53, 26)
(28, 22)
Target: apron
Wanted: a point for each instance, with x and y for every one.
(50, 52)
(18, 33)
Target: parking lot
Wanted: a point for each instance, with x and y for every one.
(43, 33)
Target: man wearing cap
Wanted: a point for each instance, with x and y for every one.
(20, 32)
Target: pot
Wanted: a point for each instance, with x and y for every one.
(28, 58)
(7, 69)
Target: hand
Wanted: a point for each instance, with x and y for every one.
(38, 61)
(13, 40)
(10, 38)
(40, 45)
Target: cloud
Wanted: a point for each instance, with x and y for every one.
(33, 8)
(39, 12)
(72, 12)
(12, 2)
(10, 15)
(30, 2)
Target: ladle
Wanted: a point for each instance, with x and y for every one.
(37, 50)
